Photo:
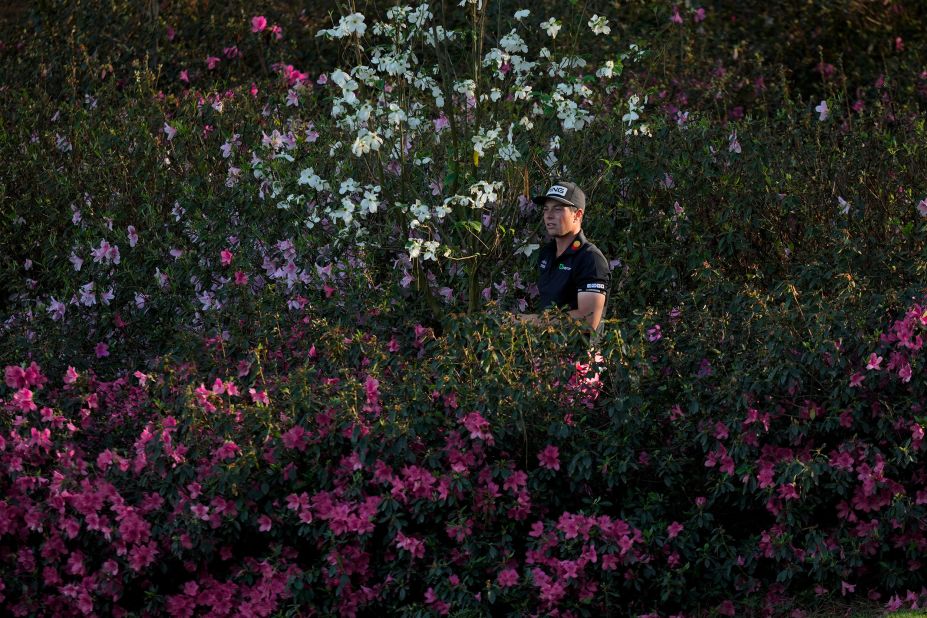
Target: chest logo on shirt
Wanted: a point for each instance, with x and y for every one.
(565, 267)
(543, 264)
(576, 244)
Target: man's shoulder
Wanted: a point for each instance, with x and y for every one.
(592, 251)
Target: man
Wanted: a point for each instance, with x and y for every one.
(573, 273)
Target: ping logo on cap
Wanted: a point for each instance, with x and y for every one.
(557, 190)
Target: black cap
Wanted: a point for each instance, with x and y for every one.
(565, 193)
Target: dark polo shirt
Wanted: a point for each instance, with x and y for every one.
(581, 268)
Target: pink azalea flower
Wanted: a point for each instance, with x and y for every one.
(674, 529)
(169, 131)
(259, 397)
(550, 457)
(258, 23)
(265, 523)
(507, 578)
(856, 379)
(922, 207)
(226, 257)
(478, 427)
(241, 278)
(874, 362)
(212, 62)
(185, 76)
(70, 376)
(22, 399)
(676, 18)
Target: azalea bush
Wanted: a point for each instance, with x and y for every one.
(258, 276)
(344, 470)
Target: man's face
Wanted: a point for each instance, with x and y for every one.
(560, 219)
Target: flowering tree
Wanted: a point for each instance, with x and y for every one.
(438, 136)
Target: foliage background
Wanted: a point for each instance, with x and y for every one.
(769, 297)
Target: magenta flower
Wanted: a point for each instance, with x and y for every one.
(874, 362)
(550, 457)
(226, 257)
(70, 376)
(101, 350)
(856, 379)
(654, 334)
(478, 427)
(22, 399)
(674, 529)
(507, 578)
(264, 523)
(258, 23)
(212, 62)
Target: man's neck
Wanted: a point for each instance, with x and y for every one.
(563, 242)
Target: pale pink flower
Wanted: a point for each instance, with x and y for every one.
(70, 376)
(292, 98)
(169, 131)
(922, 207)
(822, 110)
